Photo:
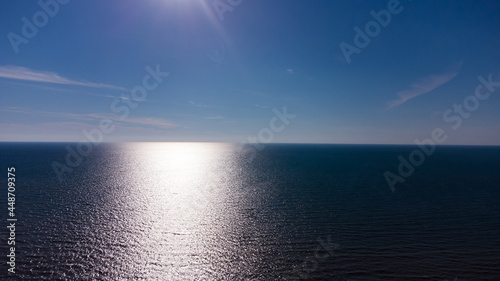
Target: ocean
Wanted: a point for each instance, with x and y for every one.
(215, 211)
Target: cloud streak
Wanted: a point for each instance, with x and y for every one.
(423, 86)
(151, 122)
(26, 74)
(197, 105)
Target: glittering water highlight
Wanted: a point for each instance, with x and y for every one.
(207, 211)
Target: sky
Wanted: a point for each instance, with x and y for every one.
(280, 71)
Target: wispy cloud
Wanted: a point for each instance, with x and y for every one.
(289, 70)
(152, 122)
(197, 104)
(26, 74)
(423, 86)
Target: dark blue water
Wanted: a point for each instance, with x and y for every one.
(201, 211)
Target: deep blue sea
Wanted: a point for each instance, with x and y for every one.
(215, 211)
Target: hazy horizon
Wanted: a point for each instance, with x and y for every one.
(257, 143)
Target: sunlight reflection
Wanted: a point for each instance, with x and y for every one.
(189, 197)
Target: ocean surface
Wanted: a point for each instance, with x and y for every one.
(215, 211)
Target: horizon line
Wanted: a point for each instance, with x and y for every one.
(271, 143)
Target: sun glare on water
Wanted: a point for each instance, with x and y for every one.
(188, 197)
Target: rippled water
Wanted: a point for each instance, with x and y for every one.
(208, 211)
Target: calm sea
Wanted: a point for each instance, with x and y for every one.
(211, 211)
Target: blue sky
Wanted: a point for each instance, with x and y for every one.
(231, 63)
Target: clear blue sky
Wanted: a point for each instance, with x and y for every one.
(229, 69)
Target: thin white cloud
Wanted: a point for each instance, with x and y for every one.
(64, 115)
(423, 86)
(262, 106)
(214, 117)
(26, 74)
(197, 104)
(153, 122)
(71, 132)
(289, 70)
